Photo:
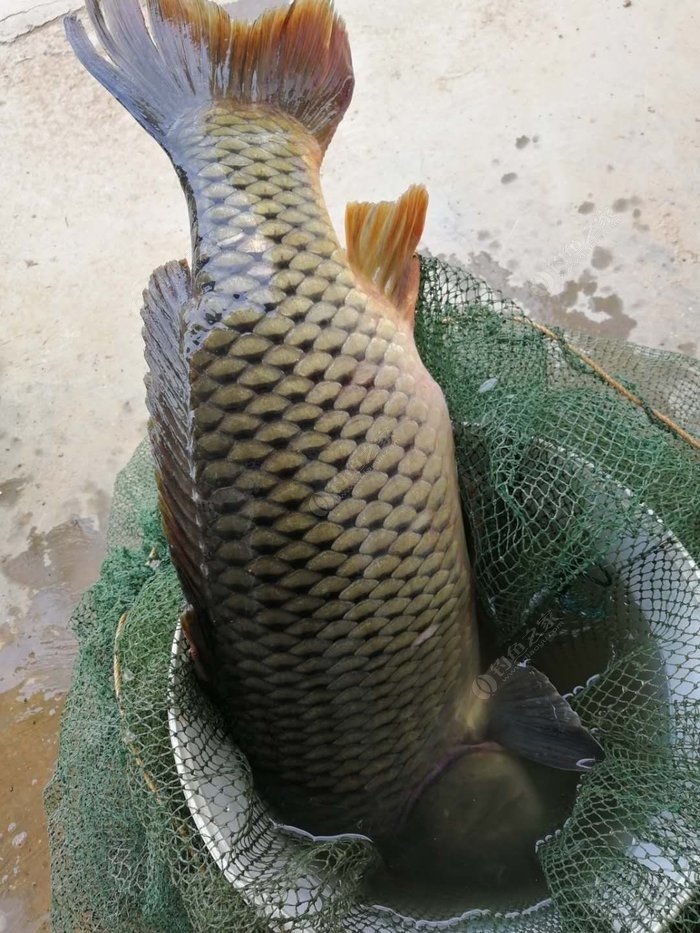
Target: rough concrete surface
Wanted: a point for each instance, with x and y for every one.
(560, 146)
(18, 17)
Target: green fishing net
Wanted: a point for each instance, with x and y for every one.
(579, 474)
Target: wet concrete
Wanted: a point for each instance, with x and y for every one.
(576, 307)
(560, 146)
(29, 750)
(48, 577)
(42, 584)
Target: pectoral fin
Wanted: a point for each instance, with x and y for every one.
(528, 716)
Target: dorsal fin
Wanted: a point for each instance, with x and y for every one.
(167, 399)
(381, 242)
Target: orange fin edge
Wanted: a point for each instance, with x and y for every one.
(381, 242)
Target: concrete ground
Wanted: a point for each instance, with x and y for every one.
(560, 145)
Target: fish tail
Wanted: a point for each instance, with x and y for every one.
(186, 53)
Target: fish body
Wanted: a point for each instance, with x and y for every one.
(305, 459)
(338, 585)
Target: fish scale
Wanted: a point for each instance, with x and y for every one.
(337, 583)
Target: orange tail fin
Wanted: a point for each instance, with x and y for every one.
(295, 59)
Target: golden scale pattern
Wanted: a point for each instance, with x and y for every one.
(335, 563)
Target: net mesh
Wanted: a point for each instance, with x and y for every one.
(580, 490)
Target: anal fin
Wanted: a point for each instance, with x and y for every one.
(381, 241)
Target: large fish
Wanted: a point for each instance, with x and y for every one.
(305, 457)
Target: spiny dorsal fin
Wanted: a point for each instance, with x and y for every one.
(295, 60)
(381, 242)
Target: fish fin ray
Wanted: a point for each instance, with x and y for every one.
(167, 399)
(528, 716)
(381, 242)
(189, 52)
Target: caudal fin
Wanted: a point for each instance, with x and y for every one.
(188, 52)
(528, 716)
